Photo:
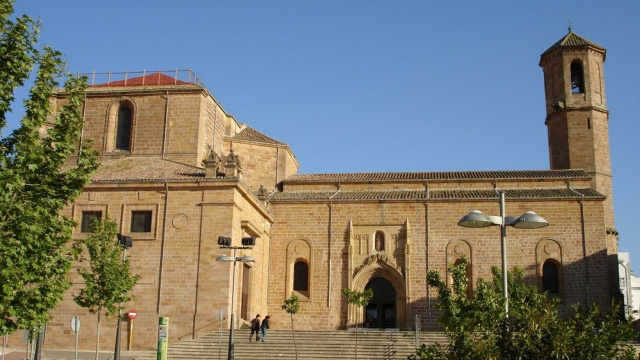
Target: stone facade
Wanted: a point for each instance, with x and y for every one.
(170, 150)
(421, 235)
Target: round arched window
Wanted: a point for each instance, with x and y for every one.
(301, 276)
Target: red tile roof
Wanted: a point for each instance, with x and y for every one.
(421, 195)
(157, 78)
(133, 169)
(444, 175)
(254, 135)
(570, 40)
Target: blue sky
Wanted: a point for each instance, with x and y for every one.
(373, 86)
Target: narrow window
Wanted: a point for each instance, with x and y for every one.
(589, 123)
(550, 277)
(140, 221)
(87, 220)
(123, 130)
(301, 276)
(577, 77)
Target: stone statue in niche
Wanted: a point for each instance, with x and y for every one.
(379, 242)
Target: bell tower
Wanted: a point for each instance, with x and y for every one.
(577, 112)
(577, 116)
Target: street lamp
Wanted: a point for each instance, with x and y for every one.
(225, 243)
(528, 220)
(126, 242)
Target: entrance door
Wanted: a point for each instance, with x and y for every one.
(381, 310)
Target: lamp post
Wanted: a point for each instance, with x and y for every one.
(225, 243)
(126, 242)
(528, 220)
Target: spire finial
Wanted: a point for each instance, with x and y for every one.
(570, 23)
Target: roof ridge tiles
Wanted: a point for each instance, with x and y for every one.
(438, 175)
(408, 194)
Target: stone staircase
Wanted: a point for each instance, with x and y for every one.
(312, 345)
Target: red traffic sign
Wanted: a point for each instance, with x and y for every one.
(132, 314)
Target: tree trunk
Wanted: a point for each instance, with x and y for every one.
(98, 338)
(356, 334)
(4, 345)
(294, 337)
(39, 340)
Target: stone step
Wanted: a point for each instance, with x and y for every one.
(311, 345)
(372, 345)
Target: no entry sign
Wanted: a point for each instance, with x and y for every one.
(132, 314)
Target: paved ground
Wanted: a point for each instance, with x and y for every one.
(21, 354)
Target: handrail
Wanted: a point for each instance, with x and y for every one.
(192, 333)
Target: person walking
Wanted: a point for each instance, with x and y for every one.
(255, 327)
(264, 327)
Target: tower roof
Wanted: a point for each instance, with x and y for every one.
(572, 40)
(157, 78)
(251, 134)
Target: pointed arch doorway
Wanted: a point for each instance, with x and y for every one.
(381, 310)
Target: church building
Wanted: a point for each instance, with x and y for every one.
(180, 174)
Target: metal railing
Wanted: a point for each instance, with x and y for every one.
(193, 333)
(147, 77)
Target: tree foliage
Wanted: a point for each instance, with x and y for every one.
(477, 327)
(108, 280)
(292, 306)
(36, 178)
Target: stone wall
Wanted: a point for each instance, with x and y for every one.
(176, 260)
(431, 239)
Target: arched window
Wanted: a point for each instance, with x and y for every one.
(123, 129)
(577, 77)
(550, 277)
(301, 276)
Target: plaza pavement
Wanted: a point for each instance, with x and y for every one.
(21, 354)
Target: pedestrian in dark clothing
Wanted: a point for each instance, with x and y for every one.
(264, 327)
(255, 327)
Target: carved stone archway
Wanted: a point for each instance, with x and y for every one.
(379, 266)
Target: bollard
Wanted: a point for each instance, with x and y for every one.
(163, 337)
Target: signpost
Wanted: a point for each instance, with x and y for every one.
(132, 314)
(75, 327)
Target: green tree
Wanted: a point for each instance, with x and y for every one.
(37, 179)
(292, 306)
(360, 299)
(108, 280)
(477, 327)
